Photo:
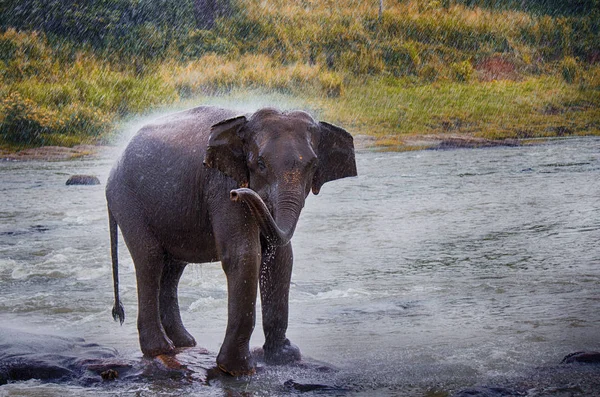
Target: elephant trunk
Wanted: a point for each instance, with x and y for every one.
(275, 235)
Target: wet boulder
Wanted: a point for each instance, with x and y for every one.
(291, 385)
(25, 356)
(582, 357)
(83, 180)
(57, 359)
(484, 391)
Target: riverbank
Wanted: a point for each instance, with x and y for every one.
(361, 143)
(52, 153)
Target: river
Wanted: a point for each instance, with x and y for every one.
(430, 272)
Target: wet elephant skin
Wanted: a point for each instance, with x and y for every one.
(209, 184)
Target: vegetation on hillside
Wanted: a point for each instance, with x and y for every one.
(70, 71)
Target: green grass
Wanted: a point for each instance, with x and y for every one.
(417, 70)
(536, 107)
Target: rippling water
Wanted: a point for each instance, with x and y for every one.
(431, 271)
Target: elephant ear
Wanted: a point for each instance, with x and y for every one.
(225, 150)
(336, 156)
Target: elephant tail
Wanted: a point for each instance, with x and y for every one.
(118, 312)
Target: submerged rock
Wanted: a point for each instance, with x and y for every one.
(25, 356)
(57, 359)
(83, 180)
(582, 357)
(309, 387)
(489, 392)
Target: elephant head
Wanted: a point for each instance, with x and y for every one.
(277, 159)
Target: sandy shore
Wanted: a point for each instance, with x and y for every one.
(53, 153)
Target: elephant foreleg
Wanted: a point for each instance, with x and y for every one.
(275, 277)
(170, 316)
(241, 265)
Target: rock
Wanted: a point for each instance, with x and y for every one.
(582, 357)
(51, 358)
(57, 359)
(29, 230)
(109, 374)
(83, 180)
(308, 387)
(484, 391)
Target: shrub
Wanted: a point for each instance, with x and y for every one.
(591, 80)
(428, 73)
(127, 94)
(401, 58)
(106, 24)
(22, 122)
(332, 84)
(569, 69)
(551, 36)
(83, 120)
(8, 46)
(462, 71)
(361, 61)
(200, 42)
(25, 55)
(51, 94)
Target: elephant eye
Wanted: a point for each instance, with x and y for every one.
(261, 164)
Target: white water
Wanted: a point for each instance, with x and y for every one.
(432, 270)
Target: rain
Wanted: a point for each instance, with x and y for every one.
(462, 260)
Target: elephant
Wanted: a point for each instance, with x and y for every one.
(208, 184)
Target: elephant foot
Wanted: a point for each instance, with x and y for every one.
(241, 364)
(285, 353)
(155, 345)
(182, 338)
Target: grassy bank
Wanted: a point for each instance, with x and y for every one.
(422, 68)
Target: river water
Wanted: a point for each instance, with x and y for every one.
(430, 272)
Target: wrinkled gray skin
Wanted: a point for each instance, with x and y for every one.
(209, 185)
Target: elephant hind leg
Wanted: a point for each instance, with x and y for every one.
(170, 316)
(148, 257)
